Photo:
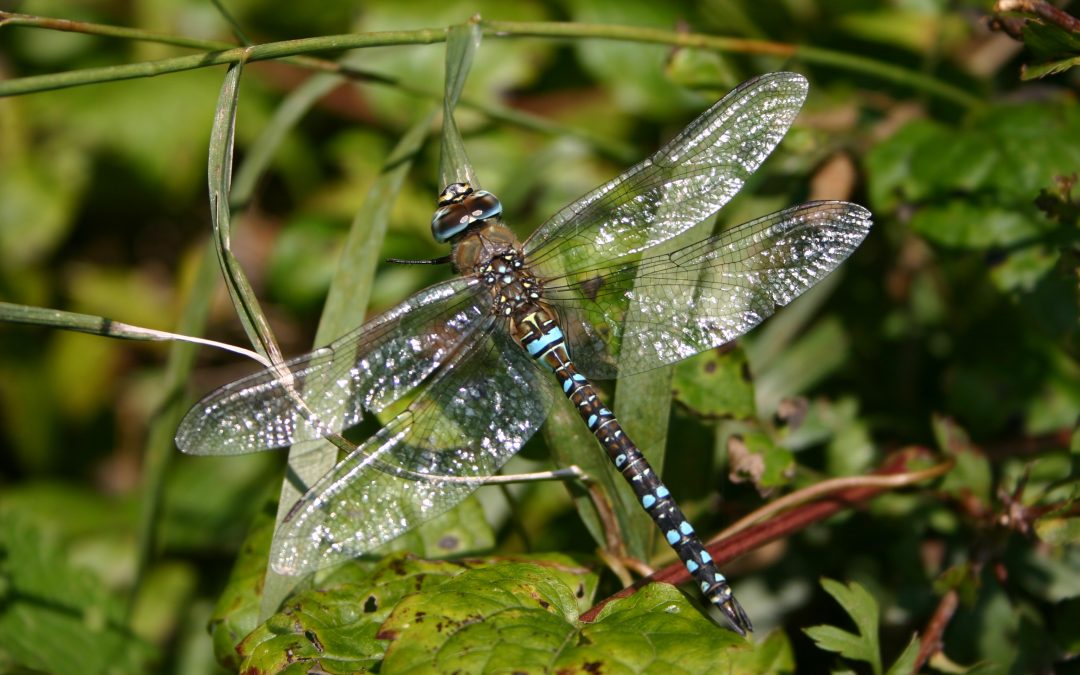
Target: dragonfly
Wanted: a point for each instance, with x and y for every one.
(586, 297)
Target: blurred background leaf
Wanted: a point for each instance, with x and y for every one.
(954, 327)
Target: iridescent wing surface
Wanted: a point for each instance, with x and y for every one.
(328, 390)
(465, 423)
(680, 185)
(704, 294)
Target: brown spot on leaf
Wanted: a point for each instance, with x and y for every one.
(314, 640)
(710, 367)
(449, 543)
(745, 465)
(371, 604)
(580, 591)
(593, 667)
(793, 411)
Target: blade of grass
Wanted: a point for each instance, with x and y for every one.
(643, 406)
(99, 325)
(219, 171)
(461, 44)
(350, 290)
(571, 443)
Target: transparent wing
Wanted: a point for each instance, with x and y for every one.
(473, 416)
(327, 390)
(702, 295)
(679, 186)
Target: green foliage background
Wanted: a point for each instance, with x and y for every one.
(953, 330)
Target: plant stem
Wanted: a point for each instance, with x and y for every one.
(219, 53)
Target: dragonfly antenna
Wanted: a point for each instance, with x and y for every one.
(442, 260)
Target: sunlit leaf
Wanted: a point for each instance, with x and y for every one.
(863, 610)
(716, 384)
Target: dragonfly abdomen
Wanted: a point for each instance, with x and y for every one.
(539, 333)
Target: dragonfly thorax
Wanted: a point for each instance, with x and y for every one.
(512, 286)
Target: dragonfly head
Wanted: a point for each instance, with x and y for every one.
(460, 207)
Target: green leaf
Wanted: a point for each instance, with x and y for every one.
(967, 225)
(701, 69)
(915, 29)
(40, 194)
(347, 622)
(1058, 531)
(962, 578)
(772, 655)
(1050, 41)
(1050, 68)
(716, 383)
(526, 626)
(971, 477)
(506, 616)
(905, 663)
(649, 90)
(236, 613)
(409, 615)
(753, 456)
(890, 177)
(813, 355)
(56, 616)
(654, 631)
(851, 448)
(863, 609)
(998, 161)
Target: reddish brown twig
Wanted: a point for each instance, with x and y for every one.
(789, 522)
(931, 639)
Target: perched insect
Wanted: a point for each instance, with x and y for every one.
(480, 349)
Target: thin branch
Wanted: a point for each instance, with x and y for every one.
(931, 642)
(809, 54)
(218, 53)
(827, 487)
(860, 490)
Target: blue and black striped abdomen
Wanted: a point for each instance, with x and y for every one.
(540, 335)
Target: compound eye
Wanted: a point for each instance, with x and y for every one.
(455, 217)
